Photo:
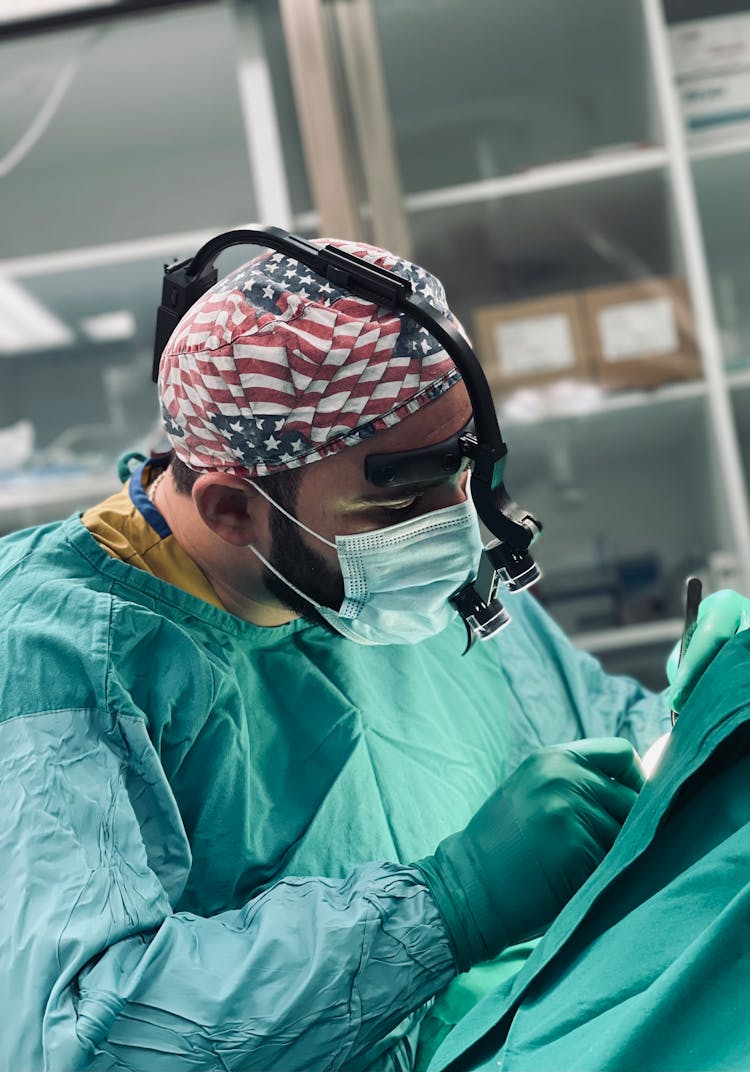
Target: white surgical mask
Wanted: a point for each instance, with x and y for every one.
(398, 581)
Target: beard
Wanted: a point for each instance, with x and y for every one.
(305, 568)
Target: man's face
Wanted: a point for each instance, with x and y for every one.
(336, 499)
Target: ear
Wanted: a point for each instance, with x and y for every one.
(230, 507)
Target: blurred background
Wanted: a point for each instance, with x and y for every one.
(575, 172)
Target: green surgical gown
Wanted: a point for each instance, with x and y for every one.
(648, 967)
(207, 825)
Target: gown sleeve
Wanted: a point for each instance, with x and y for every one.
(101, 972)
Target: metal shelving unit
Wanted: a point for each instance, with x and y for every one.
(597, 167)
(667, 448)
(546, 162)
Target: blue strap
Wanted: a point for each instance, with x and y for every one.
(141, 501)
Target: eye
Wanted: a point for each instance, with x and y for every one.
(397, 505)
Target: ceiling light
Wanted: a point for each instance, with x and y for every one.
(26, 324)
(17, 10)
(110, 327)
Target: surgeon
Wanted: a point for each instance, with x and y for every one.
(258, 807)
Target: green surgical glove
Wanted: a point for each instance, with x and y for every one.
(505, 877)
(720, 616)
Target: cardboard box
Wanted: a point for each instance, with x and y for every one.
(529, 343)
(641, 334)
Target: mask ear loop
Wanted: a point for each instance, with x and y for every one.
(324, 612)
(265, 561)
(291, 517)
(281, 576)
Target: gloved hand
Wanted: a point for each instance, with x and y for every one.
(720, 616)
(528, 849)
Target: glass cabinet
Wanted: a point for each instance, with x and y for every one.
(596, 255)
(534, 156)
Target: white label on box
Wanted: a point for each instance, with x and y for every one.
(638, 329)
(534, 344)
(710, 102)
(710, 46)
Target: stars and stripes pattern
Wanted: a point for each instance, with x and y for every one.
(276, 367)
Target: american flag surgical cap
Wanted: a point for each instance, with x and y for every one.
(275, 367)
